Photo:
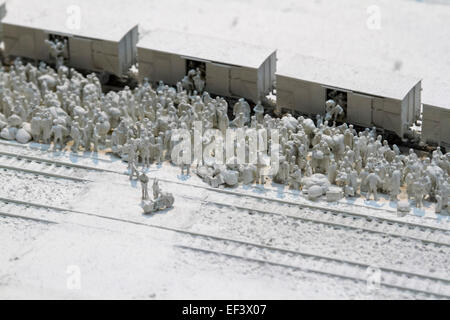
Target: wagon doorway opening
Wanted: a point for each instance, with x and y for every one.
(61, 43)
(340, 97)
(196, 74)
(194, 65)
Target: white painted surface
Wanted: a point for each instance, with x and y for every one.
(95, 20)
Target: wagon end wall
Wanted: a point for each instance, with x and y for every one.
(436, 125)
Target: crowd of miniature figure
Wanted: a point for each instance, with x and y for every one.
(65, 107)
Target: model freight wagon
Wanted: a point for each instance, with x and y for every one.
(369, 97)
(230, 68)
(94, 45)
(436, 114)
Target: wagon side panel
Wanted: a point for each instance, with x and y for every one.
(19, 41)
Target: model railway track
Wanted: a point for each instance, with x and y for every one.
(46, 148)
(207, 243)
(28, 210)
(297, 194)
(42, 173)
(65, 164)
(421, 231)
(18, 216)
(42, 167)
(340, 269)
(435, 236)
(310, 206)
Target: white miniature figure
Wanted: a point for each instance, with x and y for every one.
(156, 189)
(159, 147)
(132, 159)
(329, 105)
(373, 180)
(88, 130)
(239, 120)
(259, 112)
(75, 134)
(409, 180)
(199, 83)
(348, 137)
(395, 184)
(57, 49)
(295, 178)
(419, 188)
(161, 200)
(223, 121)
(145, 152)
(96, 139)
(143, 178)
(442, 195)
(46, 124)
(185, 167)
(242, 107)
(260, 166)
(333, 110)
(35, 126)
(58, 131)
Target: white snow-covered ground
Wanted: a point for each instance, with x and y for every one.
(114, 251)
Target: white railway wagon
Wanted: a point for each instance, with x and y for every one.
(2, 15)
(95, 44)
(386, 100)
(230, 68)
(436, 114)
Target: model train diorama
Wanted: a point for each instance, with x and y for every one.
(302, 85)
